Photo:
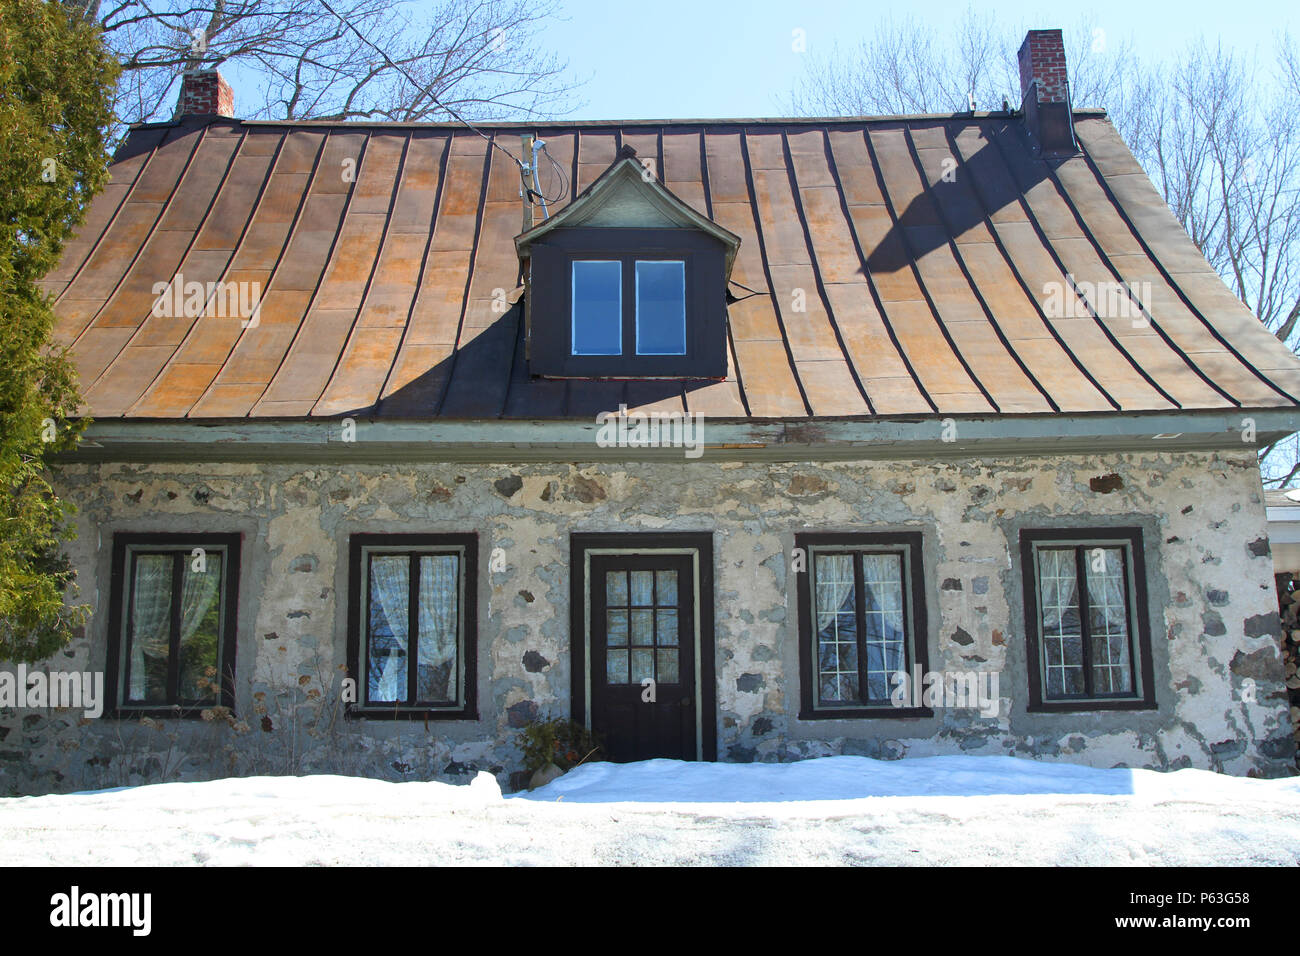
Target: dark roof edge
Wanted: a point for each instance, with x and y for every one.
(527, 124)
(788, 440)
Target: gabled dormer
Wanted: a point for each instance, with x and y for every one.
(627, 281)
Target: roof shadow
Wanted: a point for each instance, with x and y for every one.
(991, 179)
(487, 377)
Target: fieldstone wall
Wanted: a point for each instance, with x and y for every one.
(1219, 677)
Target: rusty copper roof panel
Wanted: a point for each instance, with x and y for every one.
(887, 267)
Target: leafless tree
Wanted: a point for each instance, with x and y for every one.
(1217, 132)
(338, 59)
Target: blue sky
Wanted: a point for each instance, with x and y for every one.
(700, 58)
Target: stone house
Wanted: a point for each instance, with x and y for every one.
(737, 440)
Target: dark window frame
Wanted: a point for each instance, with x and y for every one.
(550, 304)
(1137, 606)
(362, 545)
(121, 585)
(916, 647)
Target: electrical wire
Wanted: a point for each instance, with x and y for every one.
(561, 173)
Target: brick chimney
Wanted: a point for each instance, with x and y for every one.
(205, 93)
(1045, 93)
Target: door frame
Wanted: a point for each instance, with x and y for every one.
(696, 544)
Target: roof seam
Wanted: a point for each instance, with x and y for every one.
(1022, 282)
(731, 338)
(453, 359)
(1178, 291)
(797, 197)
(194, 238)
(108, 227)
(189, 159)
(1056, 260)
(920, 281)
(374, 266)
(284, 246)
(1110, 267)
(955, 250)
(325, 269)
(444, 159)
(767, 271)
(879, 304)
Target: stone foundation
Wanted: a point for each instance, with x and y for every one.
(1218, 674)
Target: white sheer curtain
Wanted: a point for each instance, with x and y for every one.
(1058, 607)
(438, 626)
(882, 593)
(836, 626)
(389, 627)
(151, 603)
(1108, 624)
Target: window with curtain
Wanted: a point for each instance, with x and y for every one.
(1084, 597)
(862, 622)
(172, 625)
(408, 647)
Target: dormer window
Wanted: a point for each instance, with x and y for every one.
(627, 282)
(597, 307)
(660, 307)
(601, 312)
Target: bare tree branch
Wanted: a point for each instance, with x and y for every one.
(1218, 135)
(480, 58)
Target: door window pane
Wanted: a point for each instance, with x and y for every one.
(661, 308)
(668, 673)
(616, 667)
(616, 588)
(642, 627)
(666, 588)
(597, 307)
(643, 588)
(616, 628)
(643, 665)
(666, 627)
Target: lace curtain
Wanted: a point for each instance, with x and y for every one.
(199, 648)
(389, 617)
(151, 603)
(438, 632)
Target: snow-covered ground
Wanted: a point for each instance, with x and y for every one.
(835, 810)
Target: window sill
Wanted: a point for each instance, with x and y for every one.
(162, 713)
(356, 712)
(1089, 706)
(860, 713)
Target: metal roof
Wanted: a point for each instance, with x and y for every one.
(901, 264)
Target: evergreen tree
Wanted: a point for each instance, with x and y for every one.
(56, 89)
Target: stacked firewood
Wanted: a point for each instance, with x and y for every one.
(1288, 592)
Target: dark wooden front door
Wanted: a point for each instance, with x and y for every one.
(643, 655)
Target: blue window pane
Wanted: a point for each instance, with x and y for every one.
(597, 307)
(661, 308)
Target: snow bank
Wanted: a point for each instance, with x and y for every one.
(927, 811)
(853, 778)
